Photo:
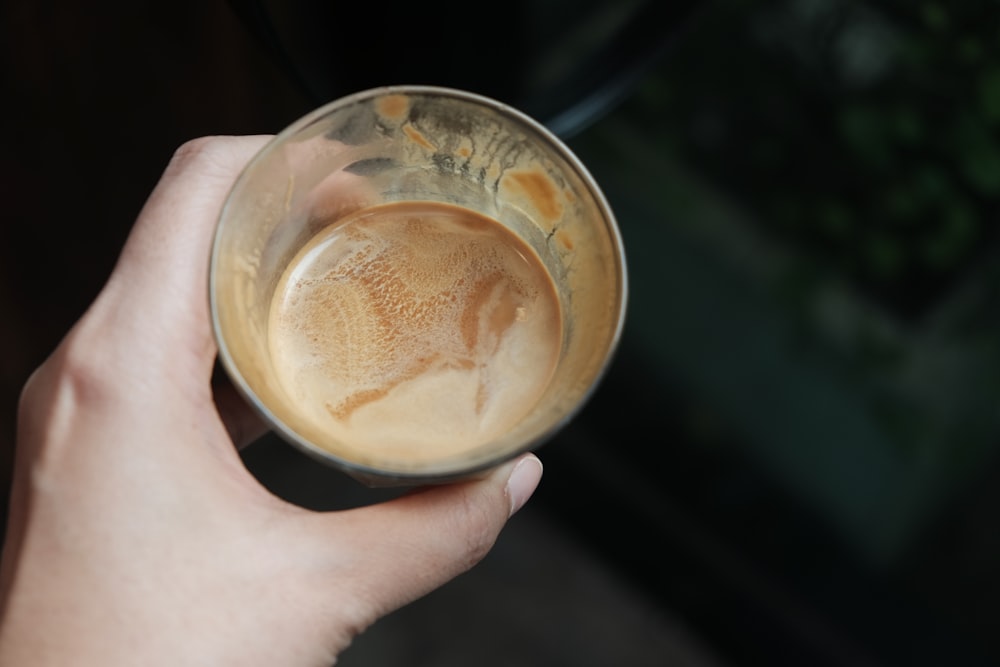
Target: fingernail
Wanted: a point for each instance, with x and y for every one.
(523, 481)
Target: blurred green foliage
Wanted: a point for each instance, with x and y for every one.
(864, 133)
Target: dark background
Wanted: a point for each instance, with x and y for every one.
(792, 460)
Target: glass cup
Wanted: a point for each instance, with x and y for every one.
(405, 367)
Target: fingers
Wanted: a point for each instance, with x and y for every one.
(402, 549)
(160, 283)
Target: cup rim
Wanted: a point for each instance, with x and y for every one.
(374, 475)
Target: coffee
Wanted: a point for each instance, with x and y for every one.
(413, 331)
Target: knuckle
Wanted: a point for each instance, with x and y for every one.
(76, 379)
(214, 155)
(479, 527)
(85, 367)
(67, 385)
(75, 375)
(196, 149)
(478, 547)
(34, 392)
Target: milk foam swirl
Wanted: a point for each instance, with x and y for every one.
(415, 330)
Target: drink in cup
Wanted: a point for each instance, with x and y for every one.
(415, 284)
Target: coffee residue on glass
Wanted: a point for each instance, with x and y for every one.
(539, 189)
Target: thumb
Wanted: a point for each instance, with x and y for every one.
(409, 546)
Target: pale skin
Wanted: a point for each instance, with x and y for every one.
(136, 535)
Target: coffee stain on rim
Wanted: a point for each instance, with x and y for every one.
(416, 137)
(564, 239)
(539, 190)
(393, 107)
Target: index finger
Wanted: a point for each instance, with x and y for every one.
(162, 272)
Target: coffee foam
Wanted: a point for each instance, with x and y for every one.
(414, 331)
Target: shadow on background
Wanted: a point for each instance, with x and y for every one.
(795, 451)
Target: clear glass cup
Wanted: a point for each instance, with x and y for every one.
(431, 145)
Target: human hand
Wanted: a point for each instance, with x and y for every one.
(137, 536)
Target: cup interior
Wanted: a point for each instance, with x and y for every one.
(425, 144)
